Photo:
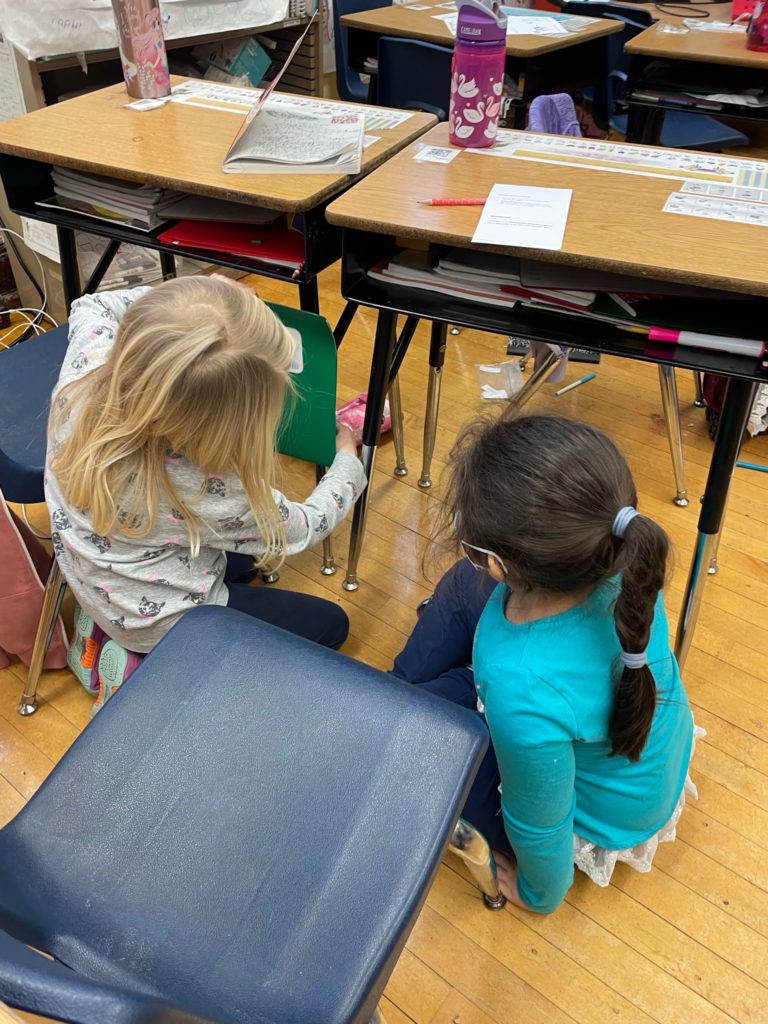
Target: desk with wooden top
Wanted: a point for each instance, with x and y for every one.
(538, 64)
(615, 224)
(177, 146)
(720, 59)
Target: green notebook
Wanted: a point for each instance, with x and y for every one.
(307, 429)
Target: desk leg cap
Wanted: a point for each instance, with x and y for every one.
(350, 583)
(681, 500)
(27, 708)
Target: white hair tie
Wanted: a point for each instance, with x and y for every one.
(634, 660)
(623, 518)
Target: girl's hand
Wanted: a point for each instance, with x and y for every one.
(506, 874)
(345, 440)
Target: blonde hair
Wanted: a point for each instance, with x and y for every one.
(199, 366)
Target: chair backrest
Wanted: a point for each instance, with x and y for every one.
(28, 374)
(247, 830)
(415, 75)
(308, 428)
(349, 84)
(609, 89)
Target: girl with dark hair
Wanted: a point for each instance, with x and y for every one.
(571, 664)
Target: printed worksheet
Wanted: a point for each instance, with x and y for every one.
(524, 216)
(739, 211)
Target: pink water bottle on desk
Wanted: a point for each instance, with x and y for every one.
(757, 31)
(477, 74)
(142, 48)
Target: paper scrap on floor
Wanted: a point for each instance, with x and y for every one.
(525, 217)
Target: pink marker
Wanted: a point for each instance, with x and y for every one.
(714, 342)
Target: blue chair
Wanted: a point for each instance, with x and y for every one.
(414, 75)
(246, 832)
(680, 129)
(28, 373)
(349, 84)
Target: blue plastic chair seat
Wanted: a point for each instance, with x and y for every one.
(245, 833)
(682, 130)
(28, 374)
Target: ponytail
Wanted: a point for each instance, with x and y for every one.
(644, 549)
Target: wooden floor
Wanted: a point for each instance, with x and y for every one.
(687, 943)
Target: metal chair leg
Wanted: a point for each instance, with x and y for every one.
(396, 412)
(472, 847)
(328, 567)
(52, 598)
(670, 405)
(436, 361)
(698, 383)
(532, 385)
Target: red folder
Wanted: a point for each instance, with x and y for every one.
(265, 243)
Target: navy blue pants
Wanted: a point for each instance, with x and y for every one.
(438, 658)
(311, 617)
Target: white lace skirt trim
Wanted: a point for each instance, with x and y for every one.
(758, 420)
(599, 863)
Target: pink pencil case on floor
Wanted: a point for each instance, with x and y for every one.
(352, 415)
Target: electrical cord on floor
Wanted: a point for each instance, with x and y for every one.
(30, 331)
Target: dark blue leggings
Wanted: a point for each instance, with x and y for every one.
(438, 657)
(311, 617)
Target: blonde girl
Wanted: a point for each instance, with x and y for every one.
(161, 461)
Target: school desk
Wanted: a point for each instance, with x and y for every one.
(176, 146)
(719, 61)
(615, 224)
(538, 64)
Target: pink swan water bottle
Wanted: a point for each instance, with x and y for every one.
(477, 74)
(142, 48)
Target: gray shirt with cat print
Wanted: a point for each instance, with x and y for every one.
(136, 588)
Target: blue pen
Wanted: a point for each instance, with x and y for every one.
(752, 465)
(577, 383)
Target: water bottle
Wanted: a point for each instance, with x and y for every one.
(477, 74)
(757, 32)
(142, 48)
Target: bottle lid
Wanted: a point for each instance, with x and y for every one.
(480, 23)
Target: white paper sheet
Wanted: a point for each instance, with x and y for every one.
(41, 237)
(11, 98)
(524, 216)
(449, 20)
(533, 26)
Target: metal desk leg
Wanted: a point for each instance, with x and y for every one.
(346, 318)
(436, 360)
(70, 270)
(309, 299)
(167, 265)
(396, 412)
(671, 407)
(328, 567)
(737, 405)
(378, 384)
(698, 382)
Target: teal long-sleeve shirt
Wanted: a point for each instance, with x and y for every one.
(547, 690)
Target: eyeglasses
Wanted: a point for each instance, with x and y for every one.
(472, 551)
(481, 564)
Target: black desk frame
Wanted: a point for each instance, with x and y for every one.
(364, 249)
